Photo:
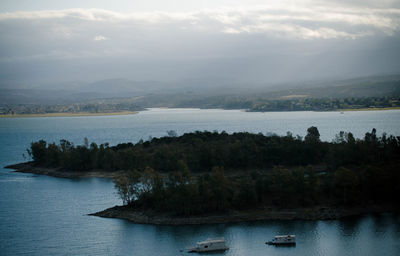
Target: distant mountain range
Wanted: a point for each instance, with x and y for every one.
(163, 93)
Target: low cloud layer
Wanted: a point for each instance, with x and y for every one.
(215, 43)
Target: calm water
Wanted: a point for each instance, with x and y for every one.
(42, 215)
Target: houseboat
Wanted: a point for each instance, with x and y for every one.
(209, 245)
(283, 240)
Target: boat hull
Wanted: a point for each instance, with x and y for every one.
(283, 240)
(191, 250)
(280, 244)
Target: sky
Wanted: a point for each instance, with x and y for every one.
(200, 42)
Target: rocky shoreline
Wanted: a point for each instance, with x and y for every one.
(313, 213)
(28, 167)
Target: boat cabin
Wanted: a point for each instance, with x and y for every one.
(211, 244)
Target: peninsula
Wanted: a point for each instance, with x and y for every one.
(211, 177)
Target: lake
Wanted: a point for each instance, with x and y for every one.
(42, 215)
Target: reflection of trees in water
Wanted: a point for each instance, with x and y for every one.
(386, 224)
(350, 226)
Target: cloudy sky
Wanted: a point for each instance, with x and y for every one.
(211, 42)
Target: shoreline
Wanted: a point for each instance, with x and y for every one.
(56, 172)
(71, 114)
(367, 109)
(269, 213)
(136, 112)
(332, 110)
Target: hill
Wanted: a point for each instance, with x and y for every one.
(126, 95)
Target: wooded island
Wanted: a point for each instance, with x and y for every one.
(204, 173)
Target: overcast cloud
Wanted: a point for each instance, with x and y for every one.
(243, 43)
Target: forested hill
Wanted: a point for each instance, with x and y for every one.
(239, 170)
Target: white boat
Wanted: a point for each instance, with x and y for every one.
(209, 245)
(283, 240)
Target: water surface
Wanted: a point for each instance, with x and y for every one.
(42, 215)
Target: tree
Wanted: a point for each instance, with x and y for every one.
(312, 135)
(65, 145)
(147, 179)
(38, 152)
(86, 142)
(346, 181)
(128, 186)
(313, 183)
(246, 194)
(172, 133)
(371, 137)
(220, 189)
(281, 185)
(53, 155)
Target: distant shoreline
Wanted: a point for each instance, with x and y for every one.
(136, 112)
(332, 110)
(367, 109)
(70, 114)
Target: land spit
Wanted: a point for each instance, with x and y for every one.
(28, 167)
(320, 212)
(312, 213)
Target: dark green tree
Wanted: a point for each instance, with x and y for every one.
(312, 135)
(38, 152)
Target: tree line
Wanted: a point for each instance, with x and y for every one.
(89, 107)
(325, 104)
(203, 150)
